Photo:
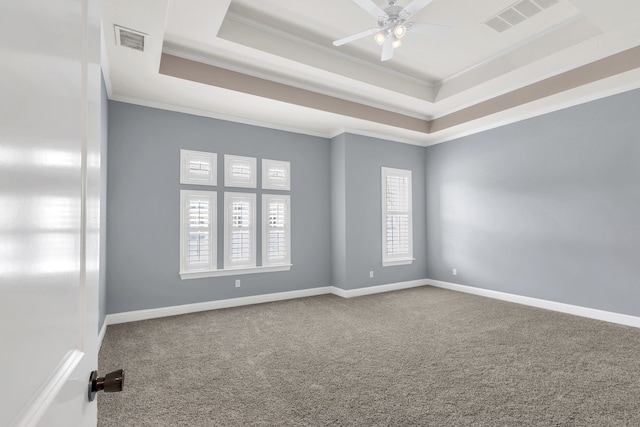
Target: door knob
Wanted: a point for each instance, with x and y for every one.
(110, 383)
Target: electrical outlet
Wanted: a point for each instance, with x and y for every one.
(238, 283)
(455, 271)
(371, 275)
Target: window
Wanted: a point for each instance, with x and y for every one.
(276, 230)
(275, 175)
(239, 230)
(197, 230)
(198, 167)
(240, 171)
(397, 227)
(241, 217)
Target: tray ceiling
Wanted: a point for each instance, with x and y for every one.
(272, 63)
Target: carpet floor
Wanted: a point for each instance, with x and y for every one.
(417, 357)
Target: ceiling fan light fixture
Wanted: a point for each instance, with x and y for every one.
(399, 31)
(394, 24)
(380, 38)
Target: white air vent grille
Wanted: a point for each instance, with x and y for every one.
(527, 8)
(512, 16)
(497, 24)
(516, 13)
(130, 38)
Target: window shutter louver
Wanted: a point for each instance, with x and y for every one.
(240, 237)
(198, 167)
(240, 230)
(240, 171)
(276, 230)
(276, 175)
(197, 230)
(199, 242)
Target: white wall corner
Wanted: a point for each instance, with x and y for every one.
(370, 290)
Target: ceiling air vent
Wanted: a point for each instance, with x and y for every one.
(130, 38)
(517, 12)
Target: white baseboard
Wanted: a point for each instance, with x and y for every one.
(133, 316)
(369, 290)
(607, 316)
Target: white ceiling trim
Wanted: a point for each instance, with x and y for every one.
(261, 73)
(218, 116)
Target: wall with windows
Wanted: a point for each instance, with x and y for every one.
(143, 216)
(547, 207)
(357, 163)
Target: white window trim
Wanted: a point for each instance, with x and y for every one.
(230, 181)
(228, 197)
(266, 199)
(212, 158)
(234, 272)
(390, 260)
(268, 184)
(185, 196)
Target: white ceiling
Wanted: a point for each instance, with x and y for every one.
(272, 63)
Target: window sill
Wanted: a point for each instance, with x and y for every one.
(234, 271)
(403, 261)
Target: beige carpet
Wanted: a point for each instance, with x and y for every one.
(418, 357)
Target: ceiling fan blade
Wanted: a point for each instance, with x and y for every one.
(373, 9)
(413, 7)
(387, 49)
(429, 29)
(353, 37)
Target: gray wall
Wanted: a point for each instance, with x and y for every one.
(362, 160)
(104, 137)
(547, 208)
(143, 211)
(338, 212)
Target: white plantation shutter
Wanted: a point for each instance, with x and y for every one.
(240, 171)
(240, 238)
(276, 174)
(276, 230)
(198, 167)
(197, 243)
(240, 230)
(398, 234)
(397, 240)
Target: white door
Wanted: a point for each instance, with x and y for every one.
(49, 210)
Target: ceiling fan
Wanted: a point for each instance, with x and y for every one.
(393, 25)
